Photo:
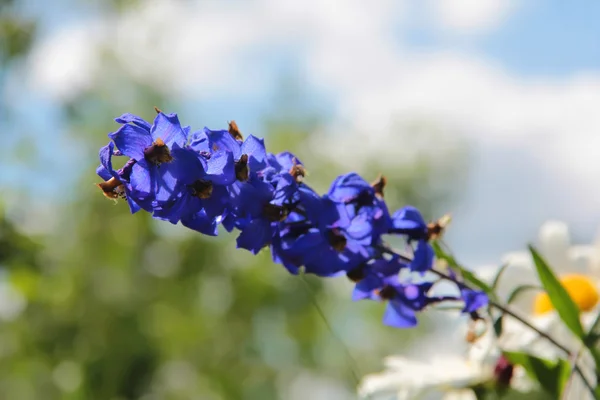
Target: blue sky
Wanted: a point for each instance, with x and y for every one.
(499, 75)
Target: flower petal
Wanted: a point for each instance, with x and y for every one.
(168, 128)
(127, 118)
(132, 140)
(255, 148)
(398, 315)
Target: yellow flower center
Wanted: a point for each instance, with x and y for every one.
(581, 289)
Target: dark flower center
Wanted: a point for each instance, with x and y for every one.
(364, 199)
(242, 171)
(158, 153)
(336, 240)
(234, 131)
(202, 188)
(112, 188)
(357, 274)
(503, 372)
(275, 213)
(387, 292)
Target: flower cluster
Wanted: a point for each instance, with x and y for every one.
(214, 177)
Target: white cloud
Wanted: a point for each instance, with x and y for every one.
(349, 49)
(470, 16)
(65, 63)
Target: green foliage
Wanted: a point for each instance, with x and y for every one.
(551, 375)
(124, 307)
(467, 275)
(559, 297)
(512, 296)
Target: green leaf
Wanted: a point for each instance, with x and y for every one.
(551, 375)
(593, 334)
(498, 326)
(467, 275)
(512, 296)
(560, 299)
(496, 280)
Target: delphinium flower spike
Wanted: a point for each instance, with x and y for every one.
(208, 178)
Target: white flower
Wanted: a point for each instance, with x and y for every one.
(577, 267)
(443, 375)
(446, 376)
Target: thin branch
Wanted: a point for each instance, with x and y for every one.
(542, 334)
(573, 361)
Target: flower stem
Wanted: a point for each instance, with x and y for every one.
(505, 310)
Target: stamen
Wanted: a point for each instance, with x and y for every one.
(234, 131)
(298, 172)
(112, 188)
(436, 229)
(357, 274)
(242, 172)
(336, 240)
(387, 292)
(202, 188)
(158, 110)
(158, 153)
(275, 213)
(378, 185)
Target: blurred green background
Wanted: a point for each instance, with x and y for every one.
(98, 304)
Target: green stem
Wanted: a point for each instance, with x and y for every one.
(507, 311)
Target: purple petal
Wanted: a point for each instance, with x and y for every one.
(132, 140)
(408, 218)
(139, 179)
(187, 166)
(103, 173)
(399, 316)
(165, 184)
(168, 128)
(199, 142)
(221, 168)
(127, 118)
(423, 257)
(348, 187)
(255, 235)
(474, 300)
(255, 148)
(200, 222)
(286, 160)
(222, 140)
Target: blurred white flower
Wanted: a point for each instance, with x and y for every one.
(443, 374)
(446, 376)
(578, 269)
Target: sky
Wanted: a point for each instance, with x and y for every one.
(518, 80)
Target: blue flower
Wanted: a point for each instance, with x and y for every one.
(259, 208)
(250, 155)
(347, 188)
(474, 300)
(116, 183)
(323, 253)
(202, 182)
(404, 300)
(150, 146)
(372, 277)
(408, 221)
(218, 178)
